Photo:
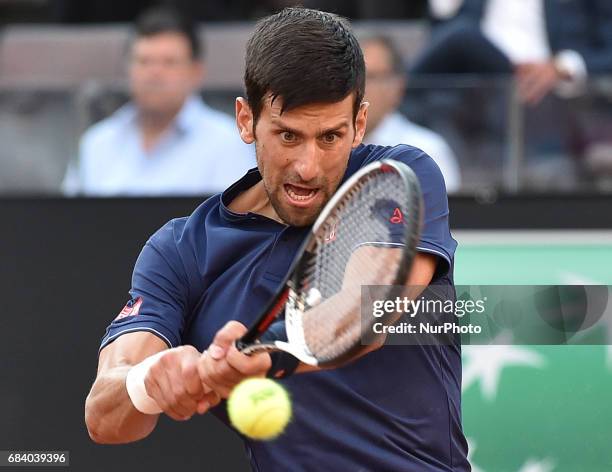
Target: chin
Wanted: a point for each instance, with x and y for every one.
(298, 218)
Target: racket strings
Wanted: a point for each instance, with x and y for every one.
(346, 254)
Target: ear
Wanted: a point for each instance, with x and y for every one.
(244, 120)
(360, 123)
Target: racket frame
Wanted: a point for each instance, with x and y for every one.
(286, 296)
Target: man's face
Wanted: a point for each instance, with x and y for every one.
(162, 72)
(384, 87)
(302, 153)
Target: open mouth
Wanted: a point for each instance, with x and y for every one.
(300, 196)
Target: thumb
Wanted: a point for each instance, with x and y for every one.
(225, 338)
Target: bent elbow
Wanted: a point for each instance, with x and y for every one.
(94, 424)
(104, 430)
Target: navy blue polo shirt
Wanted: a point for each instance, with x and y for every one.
(395, 409)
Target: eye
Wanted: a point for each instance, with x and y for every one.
(288, 136)
(330, 138)
(141, 61)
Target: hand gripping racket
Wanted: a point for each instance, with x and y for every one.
(366, 235)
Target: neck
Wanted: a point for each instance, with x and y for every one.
(255, 200)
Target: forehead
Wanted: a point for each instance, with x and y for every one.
(320, 114)
(169, 43)
(376, 55)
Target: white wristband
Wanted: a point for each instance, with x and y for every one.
(134, 382)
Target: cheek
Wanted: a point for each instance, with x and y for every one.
(273, 153)
(138, 77)
(273, 161)
(174, 80)
(333, 164)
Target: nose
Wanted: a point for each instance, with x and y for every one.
(308, 162)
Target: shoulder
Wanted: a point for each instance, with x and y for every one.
(107, 128)
(419, 161)
(178, 248)
(181, 235)
(435, 236)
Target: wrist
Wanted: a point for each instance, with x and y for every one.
(283, 363)
(136, 388)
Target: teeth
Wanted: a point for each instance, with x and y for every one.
(297, 197)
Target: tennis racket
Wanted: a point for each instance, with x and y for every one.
(366, 235)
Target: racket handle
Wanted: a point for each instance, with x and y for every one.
(247, 339)
(241, 345)
(275, 332)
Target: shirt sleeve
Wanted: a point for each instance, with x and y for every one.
(435, 235)
(159, 293)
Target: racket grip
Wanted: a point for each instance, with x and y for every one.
(275, 332)
(248, 338)
(241, 345)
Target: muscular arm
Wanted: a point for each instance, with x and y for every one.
(110, 415)
(171, 382)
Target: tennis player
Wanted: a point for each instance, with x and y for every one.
(200, 280)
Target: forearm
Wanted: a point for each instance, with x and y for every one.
(109, 413)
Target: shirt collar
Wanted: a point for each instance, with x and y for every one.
(250, 178)
(244, 183)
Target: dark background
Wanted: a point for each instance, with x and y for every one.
(65, 273)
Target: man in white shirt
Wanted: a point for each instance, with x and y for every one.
(166, 141)
(546, 44)
(385, 85)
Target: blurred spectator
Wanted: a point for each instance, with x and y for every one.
(385, 84)
(369, 9)
(97, 11)
(166, 140)
(102, 11)
(544, 43)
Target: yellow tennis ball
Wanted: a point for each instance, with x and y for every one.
(259, 408)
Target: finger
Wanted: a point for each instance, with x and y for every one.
(218, 375)
(225, 337)
(540, 89)
(254, 365)
(191, 379)
(523, 80)
(221, 374)
(535, 91)
(181, 401)
(161, 390)
(211, 399)
(175, 401)
(526, 88)
(536, 82)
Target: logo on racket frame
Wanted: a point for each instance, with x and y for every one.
(397, 217)
(330, 235)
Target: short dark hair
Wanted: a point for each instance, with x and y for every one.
(397, 61)
(304, 56)
(166, 19)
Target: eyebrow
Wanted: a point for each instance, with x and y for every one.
(332, 129)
